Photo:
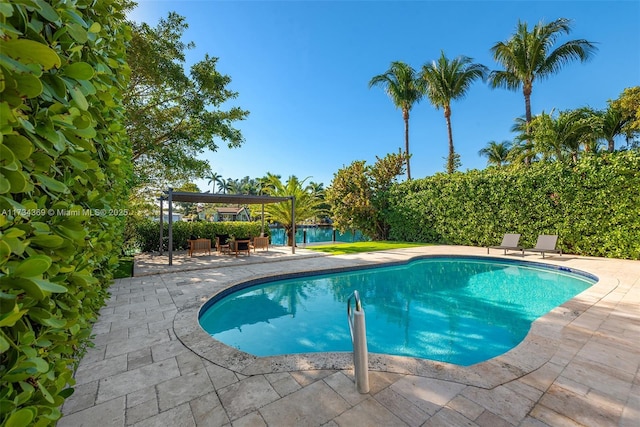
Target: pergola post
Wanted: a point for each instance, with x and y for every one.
(161, 223)
(293, 223)
(170, 200)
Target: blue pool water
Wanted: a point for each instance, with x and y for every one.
(455, 310)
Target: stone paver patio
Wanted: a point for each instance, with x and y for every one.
(153, 366)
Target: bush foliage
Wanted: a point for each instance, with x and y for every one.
(63, 173)
(359, 195)
(593, 206)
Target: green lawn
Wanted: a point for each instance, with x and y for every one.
(124, 269)
(357, 247)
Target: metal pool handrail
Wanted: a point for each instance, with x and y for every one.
(359, 340)
(355, 296)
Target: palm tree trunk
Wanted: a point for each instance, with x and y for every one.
(405, 116)
(526, 90)
(290, 237)
(611, 145)
(452, 153)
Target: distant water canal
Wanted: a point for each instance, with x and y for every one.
(315, 234)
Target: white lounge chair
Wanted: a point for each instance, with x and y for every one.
(546, 244)
(509, 243)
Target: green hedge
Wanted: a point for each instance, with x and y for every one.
(594, 206)
(144, 235)
(63, 171)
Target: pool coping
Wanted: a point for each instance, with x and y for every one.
(537, 348)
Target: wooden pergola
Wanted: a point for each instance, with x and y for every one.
(183, 196)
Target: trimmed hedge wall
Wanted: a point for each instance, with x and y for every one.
(145, 234)
(594, 206)
(64, 162)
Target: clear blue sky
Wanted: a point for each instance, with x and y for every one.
(302, 70)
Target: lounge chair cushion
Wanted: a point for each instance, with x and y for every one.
(546, 244)
(509, 242)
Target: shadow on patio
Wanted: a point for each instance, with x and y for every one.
(149, 263)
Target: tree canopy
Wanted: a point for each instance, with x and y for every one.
(358, 195)
(173, 115)
(402, 85)
(530, 55)
(628, 103)
(445, 80)
(497, 153)
(308, 202)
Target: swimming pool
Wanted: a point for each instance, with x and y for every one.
(450, 309)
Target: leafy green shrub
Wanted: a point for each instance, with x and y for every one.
(594, 206)
(63, 171)
(146, 233)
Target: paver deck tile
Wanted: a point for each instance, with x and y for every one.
(179, 416)
(107, 414)
(140, 396)
(549, 417)
(183, 389)
(404, 409)
(343, 385)
(246, 396)
(369, 412)
(446, 417)
(580, 365)
(585, 410)
(631, 412)
(283, 383)
(137, 379)
(501, 401)
(102, 369)
(253, 419)
(142, 412)
(83, 397)
(427, 393)
(313, 405)
(207, 410)
(466, 407)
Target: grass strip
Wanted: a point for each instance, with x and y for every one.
(359, 247)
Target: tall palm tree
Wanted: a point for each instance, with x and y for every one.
(521, 151)
(213, 178)
(307, 203)
(611, 123)
(530, 55)
(403, 87)
(561, 136)
(497, 153)
(223, 186)
(234, 186)
(221, 183)
(317, 188)
(445, 80)
(248, 185)
(266, 182)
